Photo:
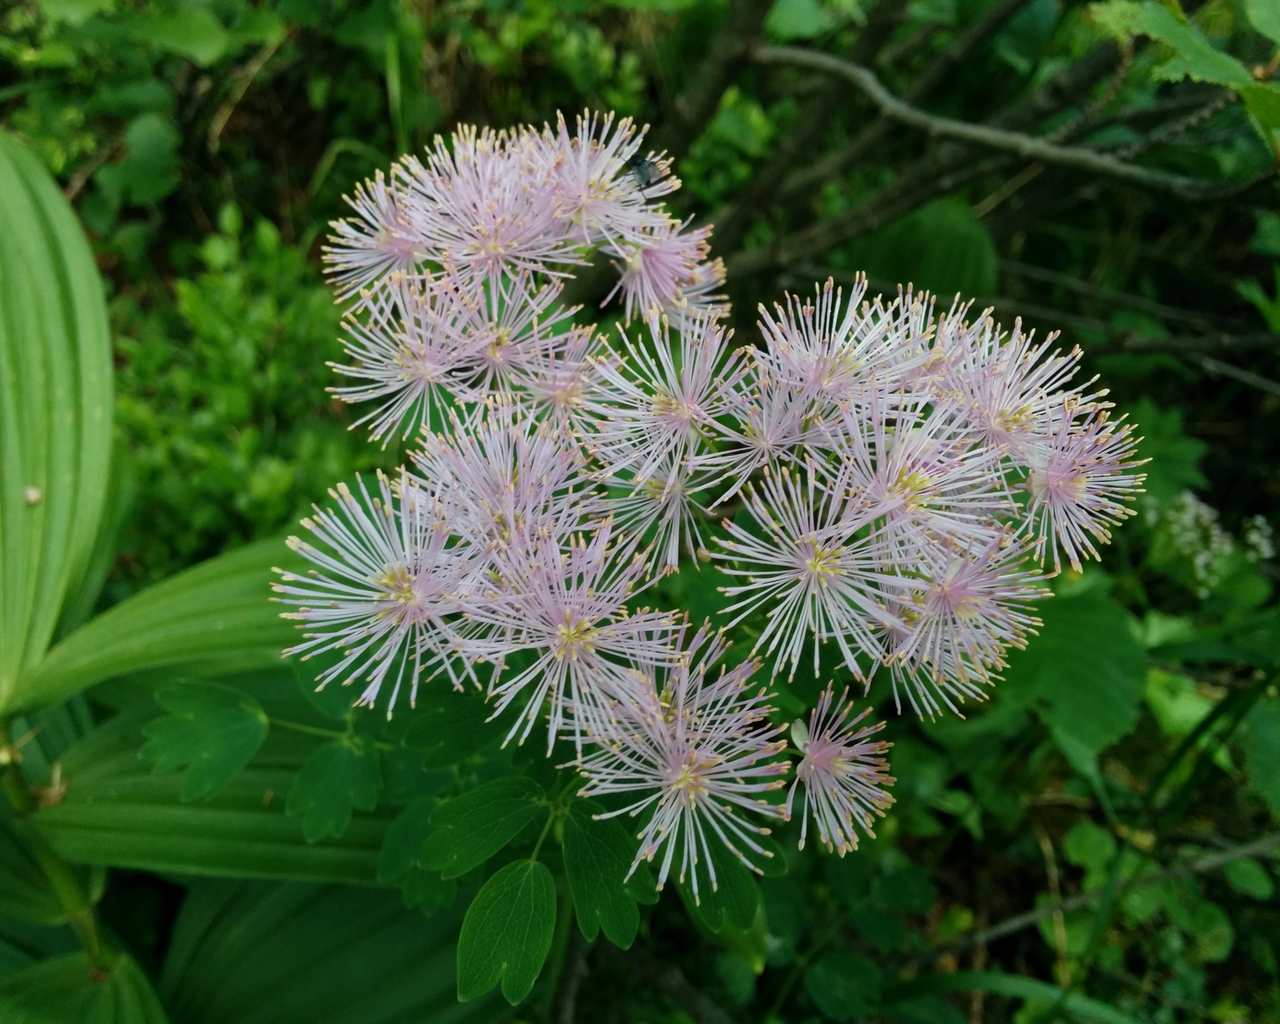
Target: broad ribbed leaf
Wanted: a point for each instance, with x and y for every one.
(117, 813)
(258, 954)
(213, 619)
(70, 988)
(55, 414)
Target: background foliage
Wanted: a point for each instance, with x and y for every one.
(1098, 843)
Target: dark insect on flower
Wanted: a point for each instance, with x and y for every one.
(643, 170)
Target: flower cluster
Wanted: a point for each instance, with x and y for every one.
(883, 485)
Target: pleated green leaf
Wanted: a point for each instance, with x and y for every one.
(118, 813)
(258, 954)
(213, 619)
(55, 414)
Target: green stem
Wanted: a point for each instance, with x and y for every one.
(319, 730)
(559, 948)
(62, 878)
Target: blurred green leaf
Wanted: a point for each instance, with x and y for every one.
(1175, 457)
(1262, 752)
(1249, 877)
(339, 777)
(507, 932)
(1264, 15)
(844, 986)
(1084, 673)
(73, 988)
(942, 246)
(191, 31)
(799, 19)
(469, 829)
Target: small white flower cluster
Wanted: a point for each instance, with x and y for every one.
(1194, 533)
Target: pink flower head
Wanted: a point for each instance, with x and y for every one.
(1010, 387)
(964, 612)
(810, 563)
(501, 329)
(384, 591)
(482, 211)
(917, 470)
(665, 269)
(568, 608)
(654, 406)
(767, 424)
(1080, 478)
(591, 179)
(843, 771)
(559, 380)
(381, 238)
(661, 511)
(836, 351)
(698, 753)
(506, 478)
(400, 355)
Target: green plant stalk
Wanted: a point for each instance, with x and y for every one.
(559, 948)
(71, 895)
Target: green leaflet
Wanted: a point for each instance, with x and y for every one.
(506, 934)
(339, 777)
(191, 32)
(55, 415)
(1264, 15)
(469, 829)
(71, 988)
(210, 731)
(1194, 56)
(597, 856)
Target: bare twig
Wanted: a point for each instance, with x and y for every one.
(241, 81)
(927, 182)
(1108, 295)
(86, 171)
(950, 58)
(1026, 146)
